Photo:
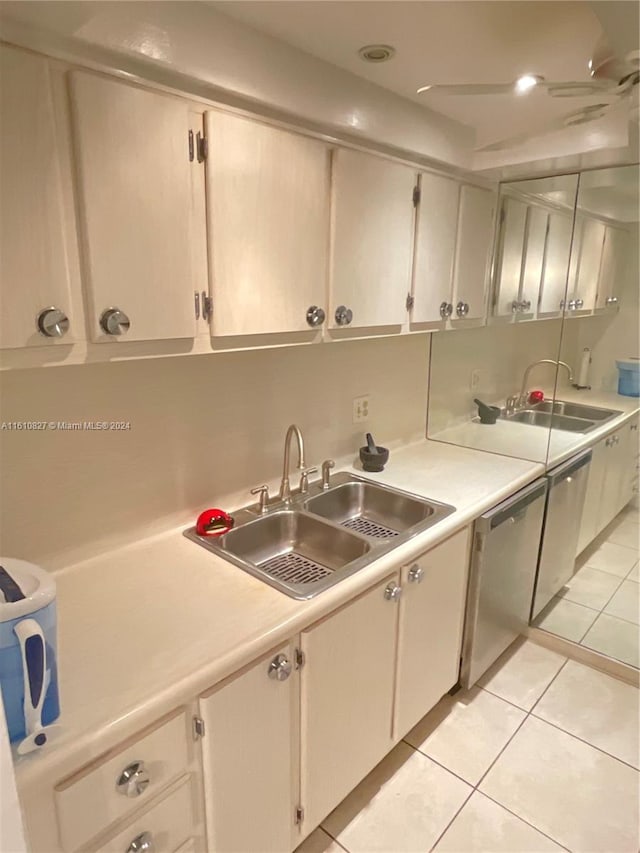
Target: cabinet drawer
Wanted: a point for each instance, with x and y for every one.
(165, 826)
(90, 800)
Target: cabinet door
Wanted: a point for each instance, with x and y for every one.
(34, 274)
(534, 256)
(430, 635)
(591, 509)
(612, 267)
(249, 760)
(473, 248)
(135, 189)
(371, 240)
(556, 264)
(268, 224)
(615, 470)
(347, 699)
(510, 256)
(629, 456)
(588, 270)
(436, 228)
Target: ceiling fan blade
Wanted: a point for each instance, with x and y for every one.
(573, 119)
(469, 89)
(580, 89)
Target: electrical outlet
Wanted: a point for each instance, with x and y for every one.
(361, 407)
(476, 379)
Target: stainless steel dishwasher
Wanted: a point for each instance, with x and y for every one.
(565, 501)
(503, 569)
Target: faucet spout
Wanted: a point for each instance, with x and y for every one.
(285, 487)
(525, 379)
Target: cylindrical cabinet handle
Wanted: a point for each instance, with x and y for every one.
(446, 309)
(315, 316)
(393, 592)
(416, 574)
(52, 322)
(142, 843)
(343, 315)
(280, 668)
(462, 309)
(113, 321)
(133, 780)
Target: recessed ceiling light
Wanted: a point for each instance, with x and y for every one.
(527, 82)
(377, 52)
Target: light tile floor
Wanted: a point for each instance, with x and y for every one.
(599, 608)
(543, 756)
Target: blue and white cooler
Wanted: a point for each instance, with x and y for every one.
(28, 671)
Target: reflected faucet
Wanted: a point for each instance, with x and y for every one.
(285, 488)
(522, 399)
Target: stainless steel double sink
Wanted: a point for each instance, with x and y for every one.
(321, 537)
(563, 415)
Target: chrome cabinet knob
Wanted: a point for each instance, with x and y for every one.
(52, 322)
(525, 305)
(134, 780)
(343, 315)
(462, 309)
(579, 303)
(315, 316)
(446, 309)
(416, 574)
(515, 306)
(280, 668)
(612, 300)
(113, 321)
(393, 592)
(142, 843)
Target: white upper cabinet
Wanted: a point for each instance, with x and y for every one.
(34, 276)
(473, 249)
(135, 199)
(586, 257)
(268, 224)
(509, 264)
(371, 240)
(533, 263)
(556, 264)
(436, 227)
(612, 267)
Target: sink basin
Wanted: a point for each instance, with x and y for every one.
(293, 551)
(577, 410)
(373, 510)
(546, 419)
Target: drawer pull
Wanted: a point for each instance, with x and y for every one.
(133, 780)
(142, 843)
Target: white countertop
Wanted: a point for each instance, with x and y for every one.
(145, 628)
(534, 442)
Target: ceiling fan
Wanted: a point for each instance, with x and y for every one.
(612, 78)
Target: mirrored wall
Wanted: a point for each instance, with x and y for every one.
(481, 376)
(596, 604)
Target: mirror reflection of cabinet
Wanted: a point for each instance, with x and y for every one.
(556, 264)
(614, 250)
(586, 257)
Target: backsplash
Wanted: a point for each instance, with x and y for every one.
(204, 430)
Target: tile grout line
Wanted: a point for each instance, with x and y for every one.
(588, 743)
(502, 806)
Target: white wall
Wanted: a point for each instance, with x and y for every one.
(500, 353)
(204, 430)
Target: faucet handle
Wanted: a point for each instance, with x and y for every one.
(263, 491)
(327, 465)
(304, 479)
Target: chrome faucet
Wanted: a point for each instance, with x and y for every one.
(285, 487)
(522, 399)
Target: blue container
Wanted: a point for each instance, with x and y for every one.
(28, 670)
(629, 377)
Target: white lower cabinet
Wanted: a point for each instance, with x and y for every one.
(347, 697)
(611, 483)
(430, 631)
(250, 758)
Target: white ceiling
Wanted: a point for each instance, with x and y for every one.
(452, 42)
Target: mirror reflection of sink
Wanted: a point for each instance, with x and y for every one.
(546, 419)
(578, 410)
(374, 511)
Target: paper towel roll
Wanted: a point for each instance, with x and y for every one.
(583, 372)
